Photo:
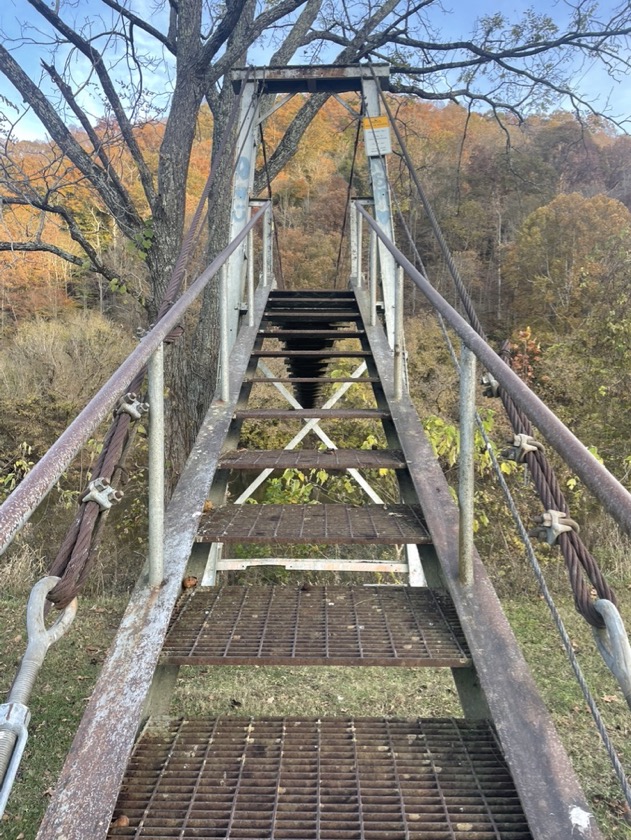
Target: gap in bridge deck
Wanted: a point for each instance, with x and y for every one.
(315, 692)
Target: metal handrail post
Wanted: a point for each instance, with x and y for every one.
(354, 245)
(156, 467)
(466, 476)
(360, 233)
(223, 329)
(373, 278)
(251, 279)
(398, 335)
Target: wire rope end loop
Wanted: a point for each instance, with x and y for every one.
(613, 645)
(38, 633)
(551, 524)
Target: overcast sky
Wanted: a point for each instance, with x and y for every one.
(455, 19)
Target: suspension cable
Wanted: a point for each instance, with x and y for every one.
(281, 277)
(532, 557)
(349, 192)
(76, 555)
(558, 621)
(575, 553)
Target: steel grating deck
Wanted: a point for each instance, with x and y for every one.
(271, 625)
(324, 524)
(313, 459)
(329, 779)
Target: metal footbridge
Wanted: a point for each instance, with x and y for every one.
(137, 767)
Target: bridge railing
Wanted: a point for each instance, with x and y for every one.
(614, 497)
(28, 495)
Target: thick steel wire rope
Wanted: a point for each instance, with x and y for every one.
(281, 277)
(575, 553)
(75, 557)
(348, 204)
(532, 559)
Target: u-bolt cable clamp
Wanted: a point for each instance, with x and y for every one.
(551, 524)
(101, 492)
(130, 404)
(521, 445)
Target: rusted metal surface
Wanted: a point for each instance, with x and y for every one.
(328, 315)
(324, 354)
(549, 790)
(309, 413)
(320, 380)
(44, 475)
(614, 497)
(313, 459)
(335, 334)
(318, 625)
(83, 801)
(329, 779)
(326, 524)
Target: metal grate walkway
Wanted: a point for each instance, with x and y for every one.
(313, 459)
(326, 524)
(330, 779)
(319, 625)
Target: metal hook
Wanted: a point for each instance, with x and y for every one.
(14, 714)
(613, 644)
(35, 625)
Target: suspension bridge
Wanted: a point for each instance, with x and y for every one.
(138, 768)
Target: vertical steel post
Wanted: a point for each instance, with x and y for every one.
(373, 278)
(466, 466)
(267, 236)
(251, 279)
(224, 350)
(353, 214)
(156, 468)
(359, 221)
(398, 335)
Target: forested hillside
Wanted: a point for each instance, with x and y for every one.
(536, 214)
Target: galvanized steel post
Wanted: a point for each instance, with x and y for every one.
(251, 279)
(156, 467)
(373, 278)
(360, 233)
(398, 335)
(466, 466)
(354, 248)
(224, 337)
(267, 238)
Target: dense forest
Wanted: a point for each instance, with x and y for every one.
(536, 214)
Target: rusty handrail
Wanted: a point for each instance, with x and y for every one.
(33, 488)
(614, 497)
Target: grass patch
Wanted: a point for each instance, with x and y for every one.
(72, 666)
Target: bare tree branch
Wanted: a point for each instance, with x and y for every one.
(118, 204)
(96, 59)
(36, 246)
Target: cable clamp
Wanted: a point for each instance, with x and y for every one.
(521, 445)
(101, 492)
(551, 524)
(491, 385)
(130, 404)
